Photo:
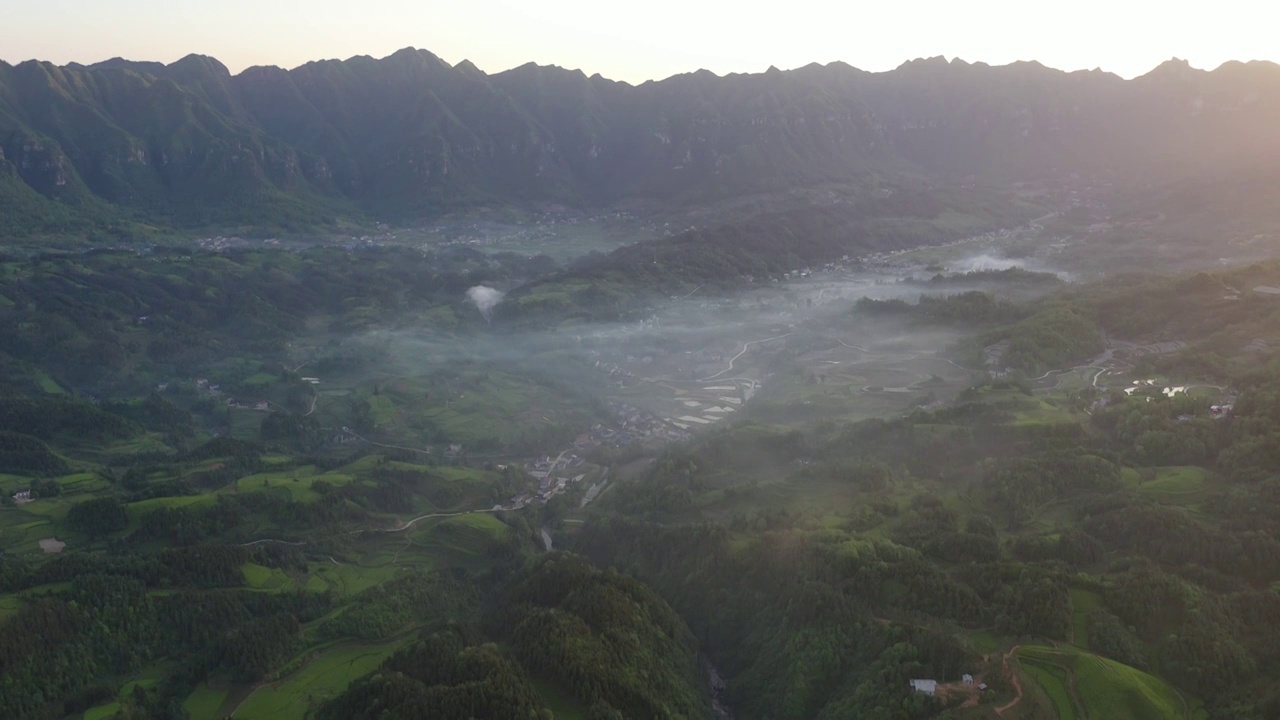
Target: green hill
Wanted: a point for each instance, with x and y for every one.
(1082, 685)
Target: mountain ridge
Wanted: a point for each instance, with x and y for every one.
(189, 144)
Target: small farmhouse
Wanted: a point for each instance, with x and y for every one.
(928, 687)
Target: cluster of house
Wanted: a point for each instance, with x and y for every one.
(617, 374)
(633, 425)
(930, 687)
(545, 470)
(549, 486)
(22, 497)
(260, 405)
(213, 390)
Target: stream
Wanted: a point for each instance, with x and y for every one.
(718, 706)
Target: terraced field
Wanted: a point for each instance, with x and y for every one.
(1083, 685)
(321, 676)
(1176, 485)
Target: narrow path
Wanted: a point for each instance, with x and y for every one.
(1017, 683)
(271, 540)
(410, 524)
(740, 354)
(852, 347)
(393, 447)
(956, 364)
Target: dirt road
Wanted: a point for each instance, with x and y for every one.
(745, 346)
(1013, 677)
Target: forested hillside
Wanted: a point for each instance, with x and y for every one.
(318, 482)
(1075, 523)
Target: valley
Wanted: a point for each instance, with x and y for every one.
(942, 392)
(355, 457)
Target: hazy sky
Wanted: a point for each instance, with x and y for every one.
(637, 41)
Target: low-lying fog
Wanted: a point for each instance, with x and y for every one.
(698, 359)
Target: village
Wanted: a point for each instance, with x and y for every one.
(557, 474)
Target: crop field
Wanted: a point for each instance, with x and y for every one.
(348, 579)
(1082, 685)
(260, 379)
(322, 677)
(1055, 682)
(296, 483)
(245, 424)
(471, 534)
(9, 605)
(20, 531)
(1175, 485)
(142, 507)
(81, 484)
(344, 579)
(204, 701)
(259, 577)
(9, 484)
(147, 443)
(146, 679)
(847, 382)
(1082, 603)
(483, 409)
(1043, 412)
(102, 712)
(985, 642)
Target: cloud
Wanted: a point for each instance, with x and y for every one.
(485, 299)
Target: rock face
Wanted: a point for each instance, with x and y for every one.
(409, 135)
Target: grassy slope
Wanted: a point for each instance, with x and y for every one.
(1102, 687)
(323, 677)
(1175, 485)
(204, 702)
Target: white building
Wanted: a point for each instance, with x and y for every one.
(968, 680)
(928, 687)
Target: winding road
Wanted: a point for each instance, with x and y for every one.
(1013, 677)
(741, 353)
(428, 516)
(393, 447)
(271, 540)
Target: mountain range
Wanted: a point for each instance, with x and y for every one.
(123, 144)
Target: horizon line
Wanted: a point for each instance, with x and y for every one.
(952, 61)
